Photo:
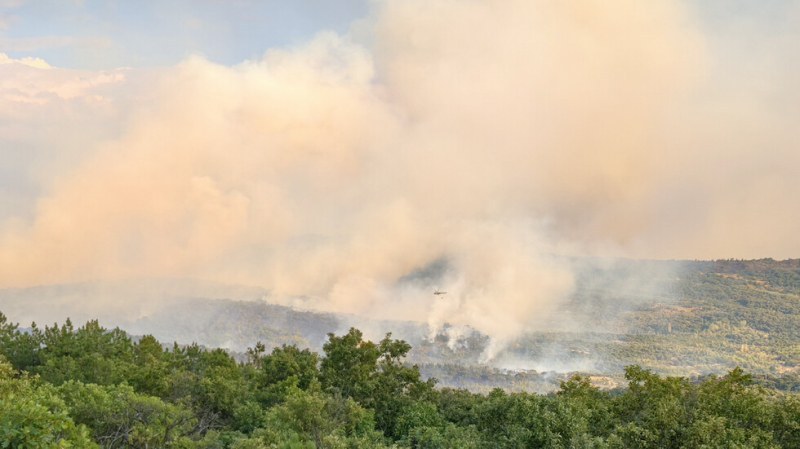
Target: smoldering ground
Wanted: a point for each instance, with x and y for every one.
(497, 135)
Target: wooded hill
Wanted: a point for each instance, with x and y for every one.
(685, 318)
(675, 318)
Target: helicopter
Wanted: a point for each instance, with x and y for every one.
(439, 292)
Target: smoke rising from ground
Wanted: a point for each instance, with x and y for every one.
(494, 135)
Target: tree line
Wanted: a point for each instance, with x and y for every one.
(90, 387)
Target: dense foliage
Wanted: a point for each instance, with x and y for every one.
(89, 387)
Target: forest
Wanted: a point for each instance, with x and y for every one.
(63, 386)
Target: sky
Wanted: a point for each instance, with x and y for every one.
(330, 150)
(111, 34)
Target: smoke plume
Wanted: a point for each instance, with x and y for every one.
(491, 135)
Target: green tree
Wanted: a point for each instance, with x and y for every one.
(89, 354)
(374, 375)
(418, 414)
(284, 368)
(33, 416)
(150, 371)
(786, 420)
(311, 416)
(655, 412)
(730, 411)
(121, 418)
(289, 361)
(349, 364)
(21, 349)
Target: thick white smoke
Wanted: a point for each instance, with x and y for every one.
(490, 134)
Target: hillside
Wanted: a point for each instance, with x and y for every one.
(676, 318)
(696, 318)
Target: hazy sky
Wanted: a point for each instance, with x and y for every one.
(328, 149)
(108, 34)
